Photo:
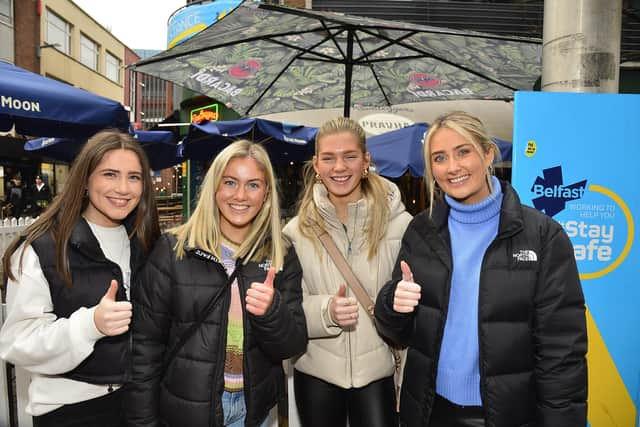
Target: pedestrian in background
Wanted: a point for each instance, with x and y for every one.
(219, 306)
(347, 371)
(17, 196)
(40, 194)
(69, 275)
(486, 295)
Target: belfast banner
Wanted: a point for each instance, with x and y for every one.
(576, 158)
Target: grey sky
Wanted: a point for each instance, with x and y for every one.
(140, 24)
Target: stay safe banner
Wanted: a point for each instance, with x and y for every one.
(576, 157)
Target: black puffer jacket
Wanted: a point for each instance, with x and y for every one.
(170, 296)
(531, 320)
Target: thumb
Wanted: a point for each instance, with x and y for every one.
(271, 274)
(111, 292)
(407, 275)
(342, 291)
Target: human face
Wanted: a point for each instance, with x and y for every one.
(114, 188)
(240, 196)
(458, 168)
(340, 163)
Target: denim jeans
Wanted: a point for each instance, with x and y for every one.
(235, 410)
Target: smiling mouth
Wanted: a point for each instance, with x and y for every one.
(459, 179)
(340, 179)
(120, 203)
(239, 208)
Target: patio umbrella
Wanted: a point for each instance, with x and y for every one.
(37, 105)
(283, 141)
(159, 146)
(263, 58)
(395, 152)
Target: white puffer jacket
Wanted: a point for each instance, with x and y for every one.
(355, 357)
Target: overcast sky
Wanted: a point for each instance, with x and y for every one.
(140, 24)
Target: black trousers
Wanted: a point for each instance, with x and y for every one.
(103, 411)
(448, 414)
(321, 404)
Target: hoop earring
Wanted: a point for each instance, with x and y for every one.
(365, 173)
(318, 179)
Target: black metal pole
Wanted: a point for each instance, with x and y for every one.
(348, 73)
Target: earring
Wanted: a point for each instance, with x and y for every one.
(318, 179)
(490, 168)
(365, 173)
(86, 193)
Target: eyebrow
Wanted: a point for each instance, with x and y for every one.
(457, 147)
(236, 179)
(119, 171)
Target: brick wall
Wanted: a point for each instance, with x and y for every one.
(27, 34)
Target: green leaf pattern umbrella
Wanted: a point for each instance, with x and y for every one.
(264, 58)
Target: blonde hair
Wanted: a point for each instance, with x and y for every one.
(202, 230)
(472, 130)
(373, 187)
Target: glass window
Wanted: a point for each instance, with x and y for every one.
(5, 11)
(88, 52)
(58, 33)
(112, 68)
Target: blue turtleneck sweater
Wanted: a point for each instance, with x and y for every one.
(472, 229)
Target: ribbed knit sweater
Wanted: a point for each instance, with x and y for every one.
(472, 229)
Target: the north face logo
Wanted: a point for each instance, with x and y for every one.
(525, 255)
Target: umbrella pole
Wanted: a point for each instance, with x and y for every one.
(348, 74)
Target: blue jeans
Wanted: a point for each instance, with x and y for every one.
(235, 410)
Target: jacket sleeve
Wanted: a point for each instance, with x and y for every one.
(32, 337)
(151, 295)
(282, 332)
(394, 326)
(560, 335)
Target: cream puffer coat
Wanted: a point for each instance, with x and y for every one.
(358, 356)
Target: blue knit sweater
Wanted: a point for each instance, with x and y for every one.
(472, 229)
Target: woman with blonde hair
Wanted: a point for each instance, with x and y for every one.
(487, 298)
(219, 305)
(347, 371)
(69, 275)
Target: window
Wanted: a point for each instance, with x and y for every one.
(88, 52)
(58, 33)
(112, 68)
(5, 11)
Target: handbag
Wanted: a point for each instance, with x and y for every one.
(359, 292)
(171, 354)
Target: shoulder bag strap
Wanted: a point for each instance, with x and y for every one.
(347, 273)
(195, 325)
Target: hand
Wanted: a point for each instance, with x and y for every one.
(260, 295)
(407, 294)
(342, 309)
(110, 316)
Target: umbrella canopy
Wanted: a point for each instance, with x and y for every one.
(160, 147)
(395, 152)
(263, 58)
(37, 105)
(284, 142)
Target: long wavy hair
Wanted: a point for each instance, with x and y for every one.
(473, 131)
(202, 230)
(60, 217)
(373, 188)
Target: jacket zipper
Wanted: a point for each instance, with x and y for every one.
(221, 348)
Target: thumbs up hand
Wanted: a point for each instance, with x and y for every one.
(407, 294)
(260, 295)
(112, 317)
(342, 309)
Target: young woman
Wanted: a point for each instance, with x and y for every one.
(69, 275)
(486, 295)
(229, 372)
(347, 370)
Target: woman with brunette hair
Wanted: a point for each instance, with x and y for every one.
(486, 296)
(68, 278)
(226, 276)
(347, 371)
